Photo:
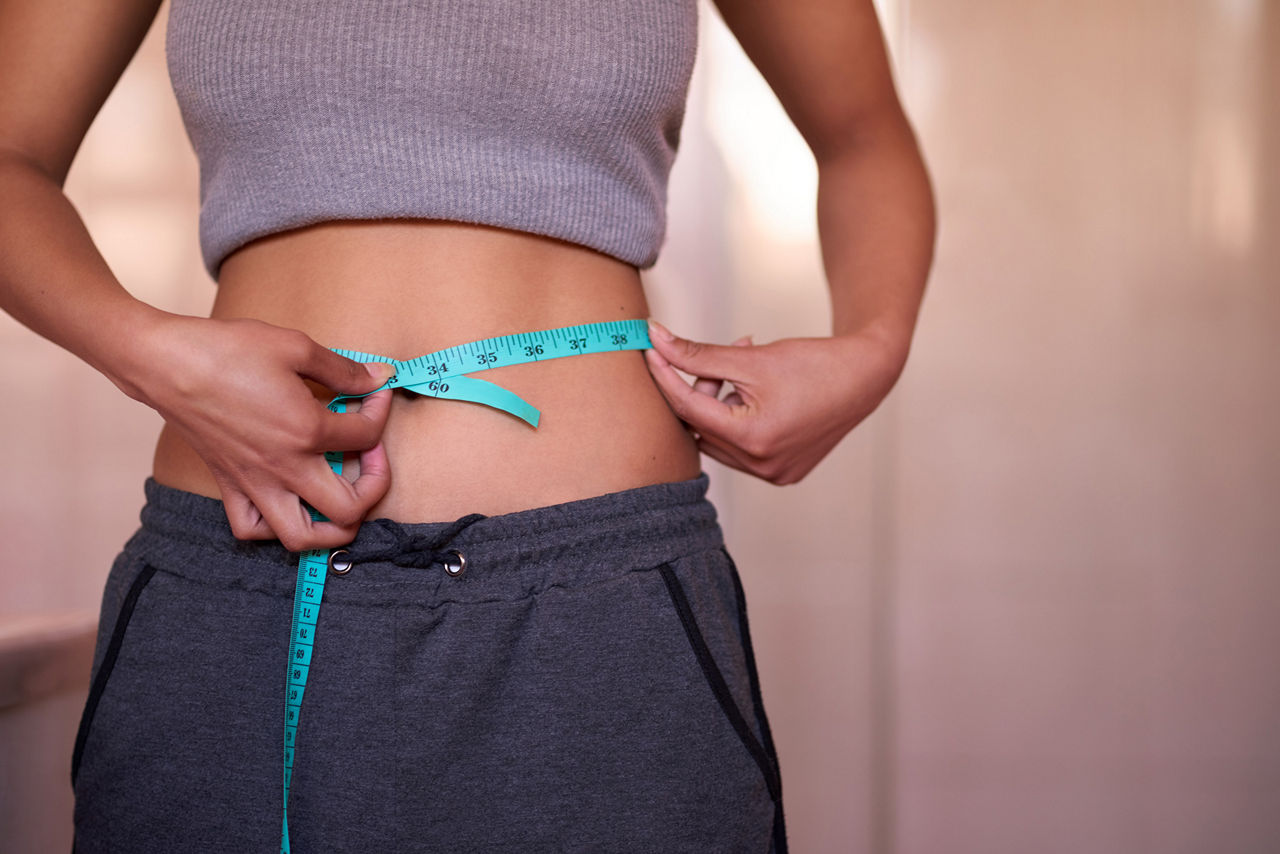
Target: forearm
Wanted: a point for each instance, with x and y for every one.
(54, 281)
(208, 378)
(876, 225)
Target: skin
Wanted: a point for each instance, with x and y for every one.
(242, 391)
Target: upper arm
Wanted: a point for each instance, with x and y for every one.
(59, 59)
(826, 62)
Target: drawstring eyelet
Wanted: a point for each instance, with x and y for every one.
(340, 562)
(454, 563)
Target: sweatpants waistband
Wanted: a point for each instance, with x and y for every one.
(508, 556)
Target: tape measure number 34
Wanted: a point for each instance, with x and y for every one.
(444, 374)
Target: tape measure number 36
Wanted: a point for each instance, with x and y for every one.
(444, 374)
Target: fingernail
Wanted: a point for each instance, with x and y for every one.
(380, 370)
(657, 330)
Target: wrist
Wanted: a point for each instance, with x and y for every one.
(131, 346)
(871, 361)
(890, 342)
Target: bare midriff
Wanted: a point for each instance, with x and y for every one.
(402, 288)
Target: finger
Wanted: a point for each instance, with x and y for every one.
(356, 430)
(723, 456)
(713, 387)
(339, 373)
(247, 523)
(282, 514)
(289, 517)
(331, 494)
(374, 479)
(704, 385)
(702, 412)
(346, 503)
(732, 449)
(285, 516)
(693, 357)
(353, 499)
(764, 468)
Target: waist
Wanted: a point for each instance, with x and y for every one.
(404, 288)
(509, 556)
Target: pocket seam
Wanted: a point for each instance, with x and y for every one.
(757, 700)
(108, 664)
(716, 682)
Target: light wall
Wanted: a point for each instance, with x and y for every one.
(1031, 604)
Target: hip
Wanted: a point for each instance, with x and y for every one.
(585, 684)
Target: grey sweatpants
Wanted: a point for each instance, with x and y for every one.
(585, 684)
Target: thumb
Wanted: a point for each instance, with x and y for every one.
(344, 375)
(380, 371)
(694, 357)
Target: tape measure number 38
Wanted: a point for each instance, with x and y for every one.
(444, 374)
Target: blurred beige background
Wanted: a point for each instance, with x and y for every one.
(1032, 604)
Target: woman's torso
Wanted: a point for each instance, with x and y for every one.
(402, 288)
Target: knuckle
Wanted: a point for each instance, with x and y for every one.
(380, 406)
(782, 473)
(240, 529)
(296, 344)
(346, 517)
(781, 477)
(758, 444)
(294, 541)
(312, 435)
(767, 470)
(250, 326)
(368, 434)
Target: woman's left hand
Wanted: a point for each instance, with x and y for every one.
(792, 400)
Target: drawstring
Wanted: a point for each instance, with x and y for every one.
(408, 549)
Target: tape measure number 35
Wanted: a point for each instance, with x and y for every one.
(444, 374)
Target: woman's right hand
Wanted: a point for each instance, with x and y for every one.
(234, 390)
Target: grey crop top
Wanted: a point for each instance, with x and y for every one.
(557, 117)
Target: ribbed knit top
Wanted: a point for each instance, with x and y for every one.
(556, 117)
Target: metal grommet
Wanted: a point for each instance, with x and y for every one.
(455, 564)
(340, 562)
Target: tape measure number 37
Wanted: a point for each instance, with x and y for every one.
(444, 374)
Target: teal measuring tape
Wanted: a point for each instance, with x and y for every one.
(444, 374)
